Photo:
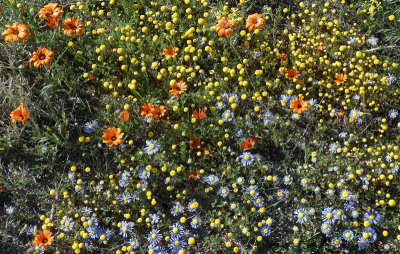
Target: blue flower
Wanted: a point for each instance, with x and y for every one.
(90, 126)
(176, 210)
(265, 231)
(152, 146)
(336, 242)
(240, 180)
(239, 133)
(211, 179)
(304, 182)
(282, 194)
(10, 210)
(200, 41)
(343, 134)
(351, 40)
(317, 189)
(386, 246)
(220, 105)
(326, 229)
(134, 243)
(154, 236)
(267, 117)
(301, 215)
(144, 173)
(234, 206)
(86, 211)
(38, 249)
(348, 235)
(196, 222)
(71, 177)
(371, 216)
(246, 159)
(345, 194)
(328, 216)
(30, 230)
(391, 78)
(393, 113)
(287, 180)
(227, 116)
(125, 198)
(373, 41)
(333, 148)
(124, 182)
(176, 244)
(125, 228)
(223, 191)
(363, 243)
(68, 224)
(154, 218)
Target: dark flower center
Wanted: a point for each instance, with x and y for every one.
(45, 240)
(114, 138)
(42, 57)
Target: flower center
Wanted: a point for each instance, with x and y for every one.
(42, 57)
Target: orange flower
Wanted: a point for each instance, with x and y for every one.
(194, 174)
(200, 115)
(20, 114)
(51, 14)
(124, 116)
(283, 56)
(291, 74)
(113, 136)
(299, 105)
(205, 149)
(248, 144)
(16, 32)
(72, 26)
(147, 110)
(159, 112)
(320, 49)
(194, 142)
(255, 21)
(341, 78)
(224, 27)
(43, 239)
(341, 113)
(179, 88)
(42, 56)
(170, 51)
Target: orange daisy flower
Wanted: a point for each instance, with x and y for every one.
(51, 14)
(72, 26)
(20, 114)
(16, 32)
(200, 115)
(113, 136)
(179, 88)
(291, 74)
(320, 49)
(194, 174)
(147, 110)
(248, 144)
(224, 27)
(194, 142)
(341, 78)
(170, 51)
(299, 105)
(42, 56)
(124, 116)
(283, 56)
(43, 239)
(255, 21)
(159, 112)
